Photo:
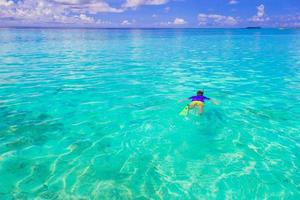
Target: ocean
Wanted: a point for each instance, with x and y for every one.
(94, 114)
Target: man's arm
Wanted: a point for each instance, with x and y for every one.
(212, 100)
(181, 100)
(215, 101)
(186, 99)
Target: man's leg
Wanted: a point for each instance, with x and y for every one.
(200, 109)
(191, 106)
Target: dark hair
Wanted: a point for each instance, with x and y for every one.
(200, 92)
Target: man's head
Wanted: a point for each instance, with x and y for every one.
(200, 93)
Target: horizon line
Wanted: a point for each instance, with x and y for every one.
(89, 27)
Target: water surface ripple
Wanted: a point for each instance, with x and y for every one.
(93, 114)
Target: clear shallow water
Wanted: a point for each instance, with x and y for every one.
(94, 114)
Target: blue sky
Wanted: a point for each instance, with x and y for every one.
(150, 13)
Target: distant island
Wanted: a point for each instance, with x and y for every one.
(253, 27)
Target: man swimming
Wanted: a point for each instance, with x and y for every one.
(198, 101)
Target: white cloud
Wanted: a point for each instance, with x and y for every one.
(126, 22)
(57, 11)
(290, 20)
(261, 10)
(156, 2)
(179, 21)
(96, 7)
(70, 1)
(296, 24)
(85, 18)
(137, 3)
(216, 20)
(32, 10)
(233, 2)
(6, 3)
(260, 15)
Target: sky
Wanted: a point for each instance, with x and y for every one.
(150, 13)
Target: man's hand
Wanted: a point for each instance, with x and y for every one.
(182, 100)
(215, 102)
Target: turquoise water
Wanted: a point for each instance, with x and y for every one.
(93, 114)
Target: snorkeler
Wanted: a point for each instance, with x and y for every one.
(197, 101)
